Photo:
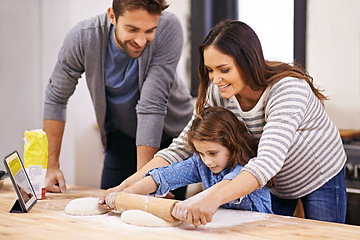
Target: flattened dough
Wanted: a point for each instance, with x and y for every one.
(84, 207)
(145, 219)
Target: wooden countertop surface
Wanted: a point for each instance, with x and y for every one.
(349, 133)
(47, 220)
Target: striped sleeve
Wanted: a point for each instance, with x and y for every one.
(298, 143)
(285, 109)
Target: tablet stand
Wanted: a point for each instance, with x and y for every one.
(17, 208)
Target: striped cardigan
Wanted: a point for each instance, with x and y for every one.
(298, 143)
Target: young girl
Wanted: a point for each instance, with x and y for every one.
(221, 146)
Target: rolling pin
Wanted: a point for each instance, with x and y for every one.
(160, 207)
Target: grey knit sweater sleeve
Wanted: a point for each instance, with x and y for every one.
(178, 150)
(165, 101)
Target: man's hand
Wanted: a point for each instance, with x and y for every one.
(55, 181)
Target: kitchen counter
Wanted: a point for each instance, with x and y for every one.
(47, 220)
(347, 134)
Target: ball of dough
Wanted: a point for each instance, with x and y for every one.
(84, 207)
(145, 219)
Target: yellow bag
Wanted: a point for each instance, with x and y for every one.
(36, 159)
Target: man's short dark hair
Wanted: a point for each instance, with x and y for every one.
(151, 6)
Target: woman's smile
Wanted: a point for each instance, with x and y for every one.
(223, 87)
(223, 72)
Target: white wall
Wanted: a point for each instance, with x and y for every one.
(333, 47)
(20, 85)
(29, 52)
(333, 57)
(272, 22)
(32, 32)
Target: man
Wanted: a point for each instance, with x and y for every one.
(129, 57)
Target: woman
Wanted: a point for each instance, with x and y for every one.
(221, 146)
(298, 143)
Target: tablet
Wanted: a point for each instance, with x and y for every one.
(21, 182)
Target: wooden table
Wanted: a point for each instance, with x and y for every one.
(46, 220)
(347, 134)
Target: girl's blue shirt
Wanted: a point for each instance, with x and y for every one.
(193, 170)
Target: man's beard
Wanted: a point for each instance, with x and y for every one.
(131, 53)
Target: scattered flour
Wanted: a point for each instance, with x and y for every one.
(145, 219)
(221, 219)
(229, 217)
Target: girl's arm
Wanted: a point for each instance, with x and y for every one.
(145, 186)
(160, 181)
(133, 179)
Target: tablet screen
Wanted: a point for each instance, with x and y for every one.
(20, 180)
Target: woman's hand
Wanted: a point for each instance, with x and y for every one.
(197, 210)
(103, 202)
(128, 184)
(144, 186)
(110, 200)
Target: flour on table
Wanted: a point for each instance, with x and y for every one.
(145, 219)
(231, 217)
(222, 219)
(84, 207)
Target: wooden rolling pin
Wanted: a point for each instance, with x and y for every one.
(160, 207)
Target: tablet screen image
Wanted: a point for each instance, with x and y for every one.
(21, 182)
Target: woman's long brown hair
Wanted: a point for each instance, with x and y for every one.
(236, 39)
